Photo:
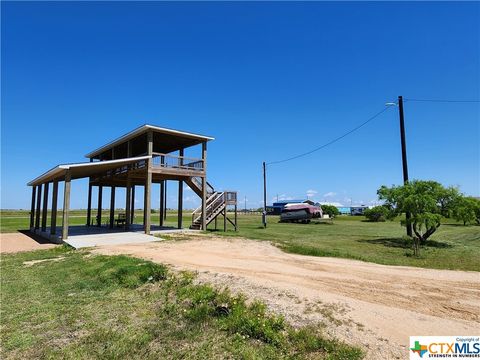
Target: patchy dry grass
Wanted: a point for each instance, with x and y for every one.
(60, 303)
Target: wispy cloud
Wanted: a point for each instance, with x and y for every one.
(330, 194)
(282, 197)
(333, 203)
(311, 193)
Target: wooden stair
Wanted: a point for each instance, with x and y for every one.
(216, 203)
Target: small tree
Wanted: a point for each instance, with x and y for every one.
(422, 199)
(331, 210)
(467, 210)
(447, 200)
(377, 213)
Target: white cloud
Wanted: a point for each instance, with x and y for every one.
(333, 203)
(330, 194)
(281, 197)
(311, 193)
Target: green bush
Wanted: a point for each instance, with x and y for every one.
(466, 210)
(330, 210)
(377, 213)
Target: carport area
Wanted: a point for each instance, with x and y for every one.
(81, 236)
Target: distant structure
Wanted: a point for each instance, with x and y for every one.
(358, 210)
(344, 210)
(277, 207)
(142, 157)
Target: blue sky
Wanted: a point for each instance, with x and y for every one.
(267, 80)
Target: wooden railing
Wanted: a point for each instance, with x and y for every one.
(177, 162)
(197, 181)
(214, 201)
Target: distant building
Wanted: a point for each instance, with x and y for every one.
(358, 210)
(277, 207)
(344, 210)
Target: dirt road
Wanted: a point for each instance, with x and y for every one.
(16, 242)
(374, 306)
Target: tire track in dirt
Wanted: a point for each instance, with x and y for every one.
(375, 306)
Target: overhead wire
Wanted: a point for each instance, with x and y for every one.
(332, 141)
(444, 100)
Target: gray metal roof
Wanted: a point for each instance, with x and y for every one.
(80, 170)
(144, 129)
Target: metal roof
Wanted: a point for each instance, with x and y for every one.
(143, 129)
(80, 170)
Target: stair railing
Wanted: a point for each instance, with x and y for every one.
(197, 181)
(213, 203)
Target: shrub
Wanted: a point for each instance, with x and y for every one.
(377, 213)
(330, 210)
(466, 210)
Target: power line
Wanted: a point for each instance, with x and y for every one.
(445, 101)
(332, 141)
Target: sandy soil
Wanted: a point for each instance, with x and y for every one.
(374, 306)
(16, 242)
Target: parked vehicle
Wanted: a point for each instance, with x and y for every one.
(302, 213)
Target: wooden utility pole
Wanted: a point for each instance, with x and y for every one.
(404, 157)
(264, 215)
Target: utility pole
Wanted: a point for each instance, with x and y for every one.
(245, 204)
(264, 215)
(404, 157)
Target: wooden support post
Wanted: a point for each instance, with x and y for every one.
(180, 204)
(39, 201)
(132, 205)
(53, 218)
(89, 204)
(225, 219)
(112, 207)
(148, 185)
(216, 222)
(162, 202)
(165, 203)
(32, 208)
(66, 205)
(45, 207)
(99, 206)
(204, 187)
(180, 195)
(147, 207)
(128, 198)
(235, 216)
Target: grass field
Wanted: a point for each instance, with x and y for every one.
(453, 246)
(76, 305)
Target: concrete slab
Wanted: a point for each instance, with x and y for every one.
(80, 236)
(118, 238)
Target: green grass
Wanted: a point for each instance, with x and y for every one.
(86, 306)
(453, 246)
(17, 220)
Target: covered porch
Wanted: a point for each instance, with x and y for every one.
(144, 157)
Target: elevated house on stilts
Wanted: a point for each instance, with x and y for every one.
(143, 157)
